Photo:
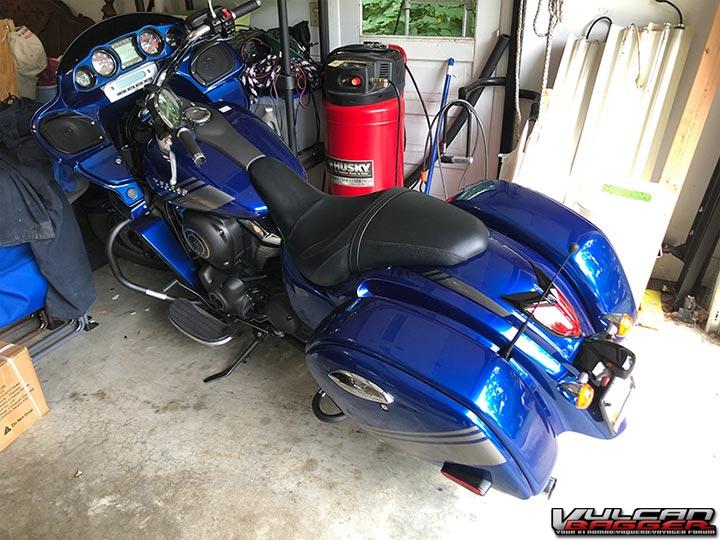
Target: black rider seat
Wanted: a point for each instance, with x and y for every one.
(331, 238)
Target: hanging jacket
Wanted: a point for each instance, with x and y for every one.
(34, 210)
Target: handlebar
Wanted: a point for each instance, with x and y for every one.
(244, 9)
(186, 138)
(220, 21)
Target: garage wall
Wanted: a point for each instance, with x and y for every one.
(698, 18)
(266, 16)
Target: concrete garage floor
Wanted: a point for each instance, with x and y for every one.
(136, 445)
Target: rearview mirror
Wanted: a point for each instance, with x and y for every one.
(168, 108)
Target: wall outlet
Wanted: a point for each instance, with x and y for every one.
(314, 16)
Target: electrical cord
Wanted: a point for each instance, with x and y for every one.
(317, 117)
(599, 19)
(397, 139)
(431, 141)
(478, 133)
(397, 19)
(417, 90)
(675, 7)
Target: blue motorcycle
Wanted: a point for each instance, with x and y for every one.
(469, 333)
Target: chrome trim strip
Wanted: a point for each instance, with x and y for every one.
(468, 292)
(477, 454)
(253, 160)
(423, 433)
(478, 437)
(197, 340)
(360, 387)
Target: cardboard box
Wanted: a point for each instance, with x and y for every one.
(21, 399)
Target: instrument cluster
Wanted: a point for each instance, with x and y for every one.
(108, 61)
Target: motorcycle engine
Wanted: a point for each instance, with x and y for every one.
(215, 239)
(227, 242)
(234, 250)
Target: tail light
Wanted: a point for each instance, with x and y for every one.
(470, 478)
(555, 313)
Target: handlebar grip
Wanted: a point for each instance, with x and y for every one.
(244, 9)
(188, 141)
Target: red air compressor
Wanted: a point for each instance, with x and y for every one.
(364, 118)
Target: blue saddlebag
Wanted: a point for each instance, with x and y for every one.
(453, 399)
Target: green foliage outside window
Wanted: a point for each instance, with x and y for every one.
(380, 17)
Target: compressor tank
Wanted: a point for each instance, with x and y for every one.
(364, 125)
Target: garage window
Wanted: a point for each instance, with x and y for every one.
(439, 18)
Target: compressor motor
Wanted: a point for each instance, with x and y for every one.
(364, 118)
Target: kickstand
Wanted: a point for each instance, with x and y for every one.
(243, 358)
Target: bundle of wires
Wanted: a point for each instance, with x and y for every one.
(260, 78)
(260, 52)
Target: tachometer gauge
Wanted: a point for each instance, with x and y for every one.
(104, 63)
(151, 43)
(84, 78)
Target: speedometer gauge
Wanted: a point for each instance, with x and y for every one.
(104, 63)
(151, 43)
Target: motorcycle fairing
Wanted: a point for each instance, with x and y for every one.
(221, 186)
(225, 90)
(155, 231)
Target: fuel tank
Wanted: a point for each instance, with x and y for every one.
(231, 139)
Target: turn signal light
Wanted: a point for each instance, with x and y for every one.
(584, 397)
(626, 323)
(621, 324)
(578, 393)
